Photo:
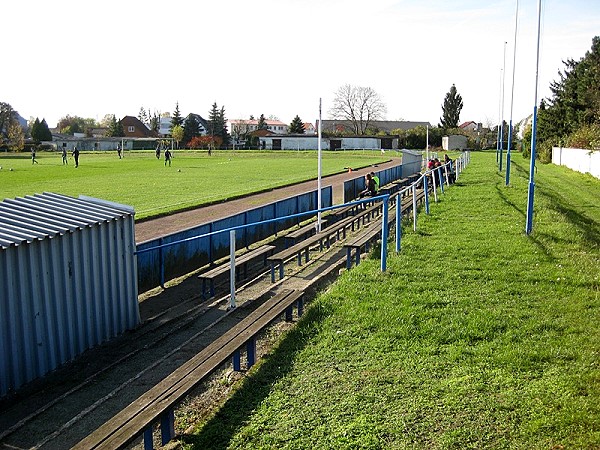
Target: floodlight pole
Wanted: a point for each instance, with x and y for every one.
(529, 223)
(512, 96)
(502, 109)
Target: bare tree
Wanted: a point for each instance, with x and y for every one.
(359, 105)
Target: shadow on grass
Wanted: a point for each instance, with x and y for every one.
(589, 228)
(229, 419)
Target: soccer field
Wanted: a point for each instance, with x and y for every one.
(193, 179)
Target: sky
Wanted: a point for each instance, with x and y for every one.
(279, 57)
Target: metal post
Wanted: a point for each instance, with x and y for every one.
(167, 426)
(425, 187)
(434, 185)
(414, 193)
(398, 222)
(319, 228)
(512, 96)
(232, 269)
(502, 123)
(439, 173)
(384, 233)
(161, 259)
(530, 194)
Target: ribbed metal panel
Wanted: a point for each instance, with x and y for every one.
(68, 281)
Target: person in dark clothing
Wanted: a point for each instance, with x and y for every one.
(76, 156)
(370, 189)
(168, 157)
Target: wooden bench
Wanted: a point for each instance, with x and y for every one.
(304, 246)
(241, 261)
(303, 232)
(373, 231)
(160, 401)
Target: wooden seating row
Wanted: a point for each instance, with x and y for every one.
(304, 246)
(241, 261)
(159, 402)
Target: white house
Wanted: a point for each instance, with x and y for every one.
(240, 127)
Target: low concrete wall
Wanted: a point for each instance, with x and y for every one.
(581, 160)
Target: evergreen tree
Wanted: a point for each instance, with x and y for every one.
(154, 124)
(34, 131)
(262, 123)
(217, 124)
(451, 108)
(176, 119)
(191, 129)
(115, 129)
(143, 116)
(575, 101)
(296, 126)
(45, 133)
(223, 125)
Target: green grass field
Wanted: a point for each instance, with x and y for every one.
(194, 179)
(477, 336)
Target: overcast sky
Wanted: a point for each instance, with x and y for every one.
(278, 57)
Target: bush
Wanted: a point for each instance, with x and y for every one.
(587, 137)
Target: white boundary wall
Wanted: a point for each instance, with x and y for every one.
(581, 160)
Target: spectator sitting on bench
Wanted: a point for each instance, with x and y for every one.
(376, 179)
(369, 190)
(451, 175)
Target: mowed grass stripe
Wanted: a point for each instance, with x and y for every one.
(477, 336)
(194, 178)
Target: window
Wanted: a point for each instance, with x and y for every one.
(131, 128)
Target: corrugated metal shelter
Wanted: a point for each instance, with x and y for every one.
(68, 281)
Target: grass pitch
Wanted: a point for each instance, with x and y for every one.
(153, 189)
(477, 336)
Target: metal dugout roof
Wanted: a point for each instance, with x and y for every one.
(41, 216)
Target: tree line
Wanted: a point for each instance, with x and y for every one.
(571, 116)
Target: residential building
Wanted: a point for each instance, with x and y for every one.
(135, 128)
(470, 126)
(385, 126)
(241, 127)
(165, 125)
(309, 128)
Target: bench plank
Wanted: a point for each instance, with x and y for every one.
(243, 259)
(130, 422)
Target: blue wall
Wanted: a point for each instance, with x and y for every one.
(185, 257)
(354, 186)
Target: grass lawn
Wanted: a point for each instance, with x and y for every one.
(477, 336)
(194, 179)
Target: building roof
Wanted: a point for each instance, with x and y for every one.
(466, 124)
(381, 125)
(43, 216)
(255, 122)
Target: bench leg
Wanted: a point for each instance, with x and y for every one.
(299, 256)
(348, 258)
(148, 442)
(357, 255)
(237, 360)
(272, 272)
(167, 426)
(289, 314)
(306, 252)
(251, 351)
(281, 270)
(300, 306)
(204, 289)
(212, 288)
